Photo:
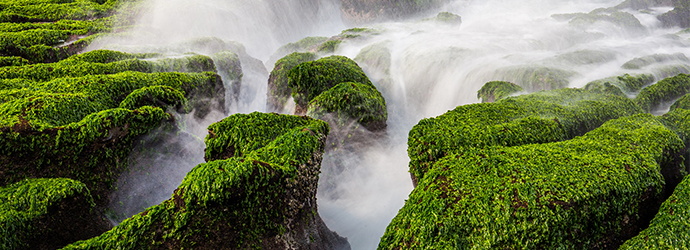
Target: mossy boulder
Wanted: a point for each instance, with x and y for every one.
(604, 88)
(669, 228)
(350, 101)
(641, 62)
(626, 83)
(665, 91)
(540, 117)
(593, 191)
(678, 17)
(47, 214)
(586, 57)
(309, 79)
(446, 18)
(257, 193)
(307, 44)
(536, 78)
(682, 103)
(278, 90)
(623, 20)
(375, 59)
(494, 90)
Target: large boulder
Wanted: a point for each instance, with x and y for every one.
(495, 90)
(678, 17)
(665, 91)
(309, 79)
(279, 92)
(542, 117)
(258, 190)
(593, 191)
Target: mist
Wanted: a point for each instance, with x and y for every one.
(434, 68)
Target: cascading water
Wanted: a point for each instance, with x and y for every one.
(434, 67)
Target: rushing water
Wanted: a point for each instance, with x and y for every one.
(434, 67)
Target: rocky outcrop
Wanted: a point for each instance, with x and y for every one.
(47, 214)
(678, 17)
(625, 83)
(257, 190)
(495, 90)
(536, 78)
(664, 91)
(590, 192)
(278, 90)
(527, 119)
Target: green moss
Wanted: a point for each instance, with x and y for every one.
(495, 90)
(535, 78)
(669, 229)
(583, 193)
(626, 83)
(278, 89)
(350, 101)
(306, 44)
(641, 62)
(6, 61)
(604, 88)
(446, 18)
(40, 214)
(664, 91)
(682, 103)
(243, 201)
(535, 118)
(155, 96)
(76, 67)
(329, 46)
(309, 79)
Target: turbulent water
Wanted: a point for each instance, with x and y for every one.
(434, 67)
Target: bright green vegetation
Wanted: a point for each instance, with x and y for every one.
(75, 67)
(682, 103)
(604, 87)
(31, 28)
(495, 90)
(589, 192)
(645, 61)
(670, 228)
(329, 46)
(664, 91)
(309, 79)
(535, 78)
(41, 213)
(535, 118)
(350, 101)
(278, 89)
(626, 83)
(256, 192)
(303, 45)
(12, 61)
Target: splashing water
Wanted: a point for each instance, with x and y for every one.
(434, 67)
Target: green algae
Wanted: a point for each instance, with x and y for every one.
(682, 103)
(246, 199)
(309, 79)
(575, 194)
(626, 83)
(535, 78)
(36, 213)
(278, 89)
(495, 90)
(535, 118)
(641, 62)
(664, 91)
(350, 101)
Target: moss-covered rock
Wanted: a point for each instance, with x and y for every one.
(494, 90)
(593, 191)
(665, 91)
(309, 79)
(535, 78)
(678, 17)
(585, 57)
(682, 103)
(446, 18)
(375, 58)
(534, 118)
(626, 83)
(669, 228)
(348, 102)
(258, 192)
(307, 44)
(278, 90)
(641, 62)
(604, 88)
(47, 214)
